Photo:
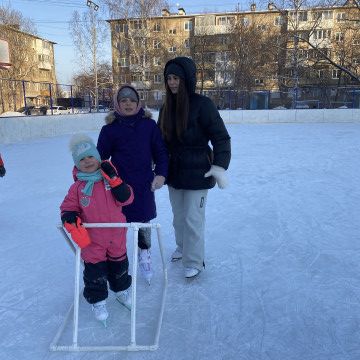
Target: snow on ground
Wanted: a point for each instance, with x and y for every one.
(282, 256)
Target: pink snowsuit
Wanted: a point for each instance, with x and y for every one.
(100, 207)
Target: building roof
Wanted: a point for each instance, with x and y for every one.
(12, 28)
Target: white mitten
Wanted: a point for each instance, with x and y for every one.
(219, 174)
(158, 182)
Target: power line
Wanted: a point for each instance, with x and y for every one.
(60, 3)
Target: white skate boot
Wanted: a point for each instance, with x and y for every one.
(144, 258)
(124, 298)
(100, 311)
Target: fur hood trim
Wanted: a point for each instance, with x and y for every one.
(110, 117)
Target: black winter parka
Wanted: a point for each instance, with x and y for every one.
(191, 157)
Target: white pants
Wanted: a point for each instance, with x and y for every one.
(188, 207)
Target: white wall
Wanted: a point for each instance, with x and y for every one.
(15, 129)
(288, 116)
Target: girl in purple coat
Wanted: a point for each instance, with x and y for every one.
(133, 141)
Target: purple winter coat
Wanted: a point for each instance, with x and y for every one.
(135, 145)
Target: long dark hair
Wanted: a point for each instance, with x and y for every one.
(175, 106)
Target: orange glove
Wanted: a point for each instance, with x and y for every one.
(78, 233)
(109, 173)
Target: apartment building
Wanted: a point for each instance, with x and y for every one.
(28, 81)
(269, 49)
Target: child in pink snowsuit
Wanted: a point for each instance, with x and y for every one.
(97, 196)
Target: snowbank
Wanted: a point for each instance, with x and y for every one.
(14, 129)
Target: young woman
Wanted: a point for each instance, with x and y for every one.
(188, 122)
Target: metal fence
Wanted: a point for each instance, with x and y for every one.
(41, 98)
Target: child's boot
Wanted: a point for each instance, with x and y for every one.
(124, 298)
(144, 258)
(100, 311)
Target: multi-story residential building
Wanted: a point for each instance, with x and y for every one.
(29, 80)
(283, 50)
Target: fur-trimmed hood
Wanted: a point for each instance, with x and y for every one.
(110, 117)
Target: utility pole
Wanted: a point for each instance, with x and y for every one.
(94, 7)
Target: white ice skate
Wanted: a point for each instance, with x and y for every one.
(100, 311)
(191, 272)
(124, 298)
(176, 255)
(144, 258)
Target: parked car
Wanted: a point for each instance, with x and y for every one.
(26, 110)
(33, 110)
(102, 108)
(58, 110)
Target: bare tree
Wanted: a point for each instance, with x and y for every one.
(89, 33)
(138, 39)
(84, 81)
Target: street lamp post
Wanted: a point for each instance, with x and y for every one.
(94, 7)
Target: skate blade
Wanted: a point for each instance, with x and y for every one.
(104, 323)
(127, 306)
(175, 259)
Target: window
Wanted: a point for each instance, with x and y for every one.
(327, 15)
(322, 34)
(224, 40)
(157, 79)
(156, 44)
(320, 74)
(259, 82)
(245, 21)
(140, 42)
(121, 28)
(356, 61)
(136, 77)
(188, 25)
(303, 53)
(142, 95)
(121, 46)
(172, 49)
(157, 27)
(158, 95)
(46, 45)
(279, 20)
(302, 16)
(340, 17)
(123, 79)
(356, 41)
(336, 74)
(43, 57)
(225, 20)
(147, 76)
(172, 31)
(187, 43)
(137, 25)
(123, 62)
(339, 37)
(156, 61)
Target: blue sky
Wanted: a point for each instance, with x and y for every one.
(51, 18)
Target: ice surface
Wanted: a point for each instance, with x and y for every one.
(282, 255)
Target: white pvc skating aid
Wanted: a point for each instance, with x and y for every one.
(74, 308)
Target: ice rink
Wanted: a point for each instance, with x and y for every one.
(282, 255)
